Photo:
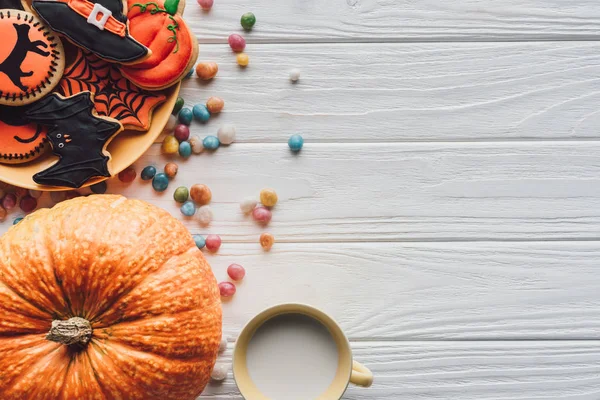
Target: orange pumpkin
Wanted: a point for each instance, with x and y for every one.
(105, 298)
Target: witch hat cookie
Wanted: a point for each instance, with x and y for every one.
(99, 26)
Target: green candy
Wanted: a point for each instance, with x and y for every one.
(181, 194)
(178, 105)
(248, 20)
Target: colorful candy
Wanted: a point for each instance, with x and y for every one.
(227, 289)
(171, 123)
(27, 204)
(215, 104)
(207, 70)
(188, 209)
(206, 4)
(58, 196)
(99, 188)
(200, 241)
(185, 149)
(262, 215)
(36, 194)
(237, 42)
(220, 370)
(170, 145)
(205, 215)
(127, 175)
(268, 197)
(236, 272)
(9, 201)
(185, 116)
(17, 220)
(295, 75)
(3, 214)
(213, 243)
(20, 192)
(171, 170)
(160, 182)
(201, 113)
(226, 134)
(201, 194)
(223, 344)
(71, 194)
(181, 132)
(296, 142)
(242, 59)
(211, 142)
(266, 241)
(197, 145)
(248, 204)
(178, 105)
(148, 173)
(181, 194)
(248, 20)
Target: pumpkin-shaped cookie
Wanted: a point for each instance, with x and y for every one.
(105, 298)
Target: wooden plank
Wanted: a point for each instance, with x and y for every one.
(389, 20)
(565, 370)
(406, 92)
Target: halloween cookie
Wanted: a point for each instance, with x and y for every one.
(114, 96)
(78, 137)
(31, 58)
(20, 140)
(99, 26)
(160, 27)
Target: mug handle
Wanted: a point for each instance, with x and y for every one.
(361, 375)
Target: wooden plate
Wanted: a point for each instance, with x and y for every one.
(124, 148)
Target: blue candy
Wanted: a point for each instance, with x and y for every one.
(296, 142)
(188, 208)
(185, 116)
(148, 173)
(201, 113)
(189, 74)
(17, 220)
(160, 182)
(185, 149)
(211, 142)
(200, 241)
(99, 188)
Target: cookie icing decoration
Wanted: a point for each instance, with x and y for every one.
(20, 140)
(31, 58)
(78, 138)
(159, 26)
(114, 96)
(99, 26)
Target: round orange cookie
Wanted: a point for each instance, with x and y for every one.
(31, 58)
(19, 141)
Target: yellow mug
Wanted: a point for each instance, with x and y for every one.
(348, 370)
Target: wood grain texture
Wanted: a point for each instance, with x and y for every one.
(399, 20)
(406, 92)
(467, 371)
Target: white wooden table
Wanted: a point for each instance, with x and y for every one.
(446, 206)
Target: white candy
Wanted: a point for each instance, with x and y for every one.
(36, 194)
(248, 204)
(226, 134)
(205, 215)
(223, 345)
(294, 75)
(171, 123)
(219, 372)
(197, 145)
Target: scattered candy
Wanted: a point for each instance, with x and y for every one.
(27, 204)
(36, 194)
(200, 241)
(99, 188)
(227, 289)
(213, 242)
(248, 204)
(295, 75)
(266, 241)
(171, 123)
(226, 134)
(205, 215)
(211, 142)
(188, 208)
(243, 60)
(189, 74)
(207, 70)
(148, 173)
(206, 4)
(71, 194)
(9, 201)
(181, 132)
(220, 370)
(170, 145)
(20, 192)
(237, 42)
(201, 194)
(160, 182)
(185, 116)
(2, 192)
(296, 142)
(236, 272)
(178, 105)
(201, 113)
(215, 104)
(171, 170)
(181, 194)
(248, 20)
(127, 175)
(3, 214)
(57, 197)
(17, 220)
(223, 344)
(185, 149)
(262, 215)
(197, 145)
(268, 197)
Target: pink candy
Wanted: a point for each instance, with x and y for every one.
(9, 201)
(236, 272)
(227, 289)
(205, 4)
(213, 242)
(237, 42)
(28, 204)
(262, 215)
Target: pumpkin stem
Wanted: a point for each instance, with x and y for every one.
(171, 6)
(72, 331)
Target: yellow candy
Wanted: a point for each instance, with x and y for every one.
(243, 59)
(170, 145)
(268, 197)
